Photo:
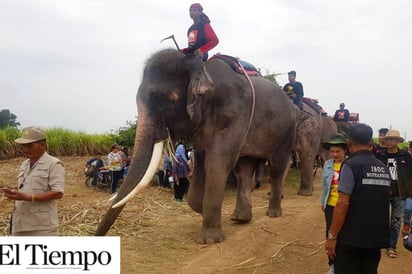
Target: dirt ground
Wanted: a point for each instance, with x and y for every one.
(157, 233)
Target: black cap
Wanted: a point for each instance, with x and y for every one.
(383, 131)
(360, 133)
(292, 72)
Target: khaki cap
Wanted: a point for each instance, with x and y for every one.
(31, 135)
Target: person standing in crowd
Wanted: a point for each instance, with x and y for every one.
(114, 161)
(406, 228)
(330, 180)
(399, 164)
(40, 184)
(191, 161)
(124, 160)
(407, 214)
(294, 89)
(341, 118)
(381, 134)
(360, 223)
(180, 173)
(201, 36)
(167, 169)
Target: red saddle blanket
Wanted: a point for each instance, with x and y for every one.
(238, 65)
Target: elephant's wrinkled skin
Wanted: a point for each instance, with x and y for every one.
(313, 130)
(212, 105)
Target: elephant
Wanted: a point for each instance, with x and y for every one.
(342, 127)
(232, 120)
(313, 130)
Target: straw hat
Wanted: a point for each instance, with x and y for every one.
(395, 134)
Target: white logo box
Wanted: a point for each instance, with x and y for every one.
(56, 255)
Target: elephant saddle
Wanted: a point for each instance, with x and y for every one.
(313, 103)
(237, 65)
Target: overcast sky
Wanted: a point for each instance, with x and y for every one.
(77, 64)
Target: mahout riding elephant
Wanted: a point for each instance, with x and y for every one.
(231, 126)
(313, 129)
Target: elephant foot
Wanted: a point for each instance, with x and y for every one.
(241, 217)
(210, 236)
(273, 213)
(305, 192)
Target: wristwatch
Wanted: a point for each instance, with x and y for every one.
(331, 236)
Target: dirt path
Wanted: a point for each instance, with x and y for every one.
(157, 233)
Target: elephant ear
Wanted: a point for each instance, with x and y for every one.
(200, 83)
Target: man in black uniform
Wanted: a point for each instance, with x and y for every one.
(360, 224)
(294, 89)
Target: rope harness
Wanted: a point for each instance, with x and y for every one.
(252, 110)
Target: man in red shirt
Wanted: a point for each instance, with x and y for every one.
(201, 37)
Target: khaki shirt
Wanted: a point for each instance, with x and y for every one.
(47, 174)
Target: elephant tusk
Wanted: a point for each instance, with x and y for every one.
(148, 176)
(112, 198)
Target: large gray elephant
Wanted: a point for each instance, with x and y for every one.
(313, 129)
(231, 126)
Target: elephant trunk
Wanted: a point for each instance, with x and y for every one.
(145, 160)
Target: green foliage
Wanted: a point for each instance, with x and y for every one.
(125, 136)
(7, 145)
(60, 142)
(404, 145)
(8, 119)
(293, 177)
(272, 77)
(65, 142)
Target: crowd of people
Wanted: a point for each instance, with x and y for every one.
(366, 195)
(174, 172)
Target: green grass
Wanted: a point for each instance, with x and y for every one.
(60, 142)
(293, 178)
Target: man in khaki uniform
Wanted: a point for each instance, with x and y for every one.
(40, 184)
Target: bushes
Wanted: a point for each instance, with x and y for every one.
(64, 142)
(60, 142)
(8, 148)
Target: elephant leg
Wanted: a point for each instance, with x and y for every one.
(308, 149)
(217, 166)
(197, 183)
(244, 171)
(306, 176)
(278, 167)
